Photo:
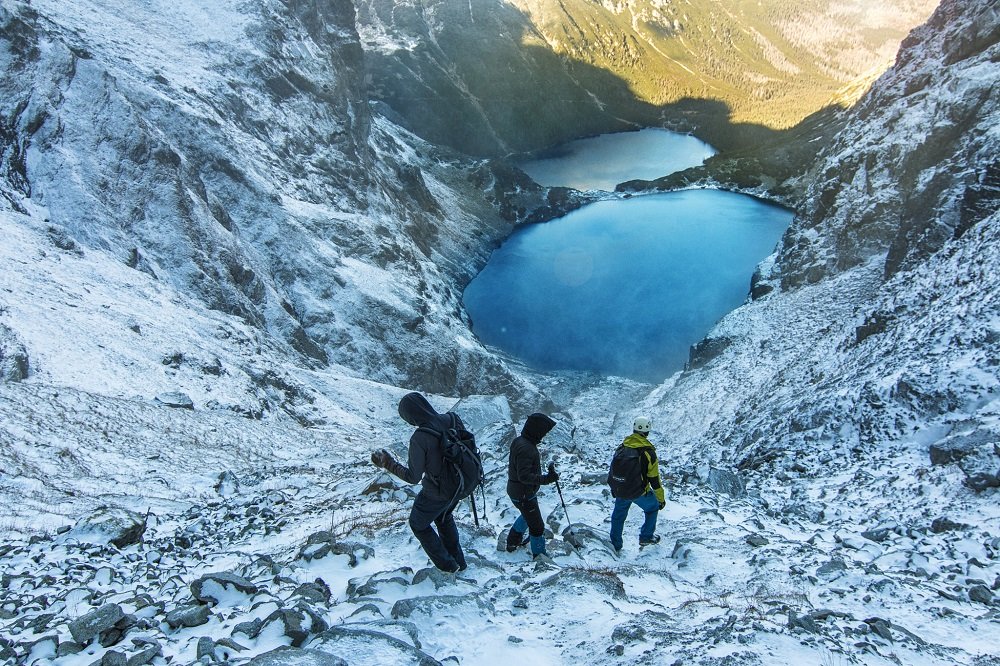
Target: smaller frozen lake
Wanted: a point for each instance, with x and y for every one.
(623, 287)
(601, 162)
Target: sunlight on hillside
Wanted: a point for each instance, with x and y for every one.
(772, 62)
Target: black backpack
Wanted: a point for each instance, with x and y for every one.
(462, 467)
(627, 476)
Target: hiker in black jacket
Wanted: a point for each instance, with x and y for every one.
(524, 476)
(424, 465)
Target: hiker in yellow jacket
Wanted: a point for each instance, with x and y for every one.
(635, 478)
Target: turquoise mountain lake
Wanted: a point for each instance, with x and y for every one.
(601, 162)
(623, 286)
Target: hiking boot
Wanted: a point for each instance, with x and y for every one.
(515, 540)
(651, 541)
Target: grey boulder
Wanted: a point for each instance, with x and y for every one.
(115, 525)
(175, 399)
(724, 481)
(86, 627)
(215, 587)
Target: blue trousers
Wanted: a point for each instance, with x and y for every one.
(445, 551)
(650, 506)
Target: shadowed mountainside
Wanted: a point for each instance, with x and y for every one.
(545, 72)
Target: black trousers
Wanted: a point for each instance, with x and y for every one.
(530, 520)
(442, 546)
(531, 513)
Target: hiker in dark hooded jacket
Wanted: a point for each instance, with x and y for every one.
(524, 477)
(424, 465)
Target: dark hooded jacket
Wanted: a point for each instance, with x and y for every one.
(424, 459)
(524, 468)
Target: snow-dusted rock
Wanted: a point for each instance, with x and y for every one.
(91, 625)
(222, 588)
(115, 525)
(14, 364)
(479, 411)
(176, 399)
(292, 656)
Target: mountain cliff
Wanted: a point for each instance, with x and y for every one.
(230, 155)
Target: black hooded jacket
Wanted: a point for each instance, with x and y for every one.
(524, 468)
(424, 459)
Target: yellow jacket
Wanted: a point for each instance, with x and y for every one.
(638, 441)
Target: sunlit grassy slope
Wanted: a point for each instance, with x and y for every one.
(773, 62)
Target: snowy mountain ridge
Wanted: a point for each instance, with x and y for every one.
(218, 214)
(191, 172)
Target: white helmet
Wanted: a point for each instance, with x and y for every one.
(642, 425)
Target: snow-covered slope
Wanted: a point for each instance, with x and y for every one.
(863, 331)
(198, 200)
(860, 389)
(229, 152)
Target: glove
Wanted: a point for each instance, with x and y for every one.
(552, 476)
(663, 505)
(381, 458)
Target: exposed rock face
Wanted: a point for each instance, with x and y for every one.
(263, 188)
(13, 357)
(893, 185)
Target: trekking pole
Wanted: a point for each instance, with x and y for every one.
(475, 514)
(482, 487)
(568, 520)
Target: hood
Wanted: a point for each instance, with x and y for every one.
(415, 410)
(636, 441)
(537, 426)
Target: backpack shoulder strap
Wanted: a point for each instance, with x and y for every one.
(430, 431)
